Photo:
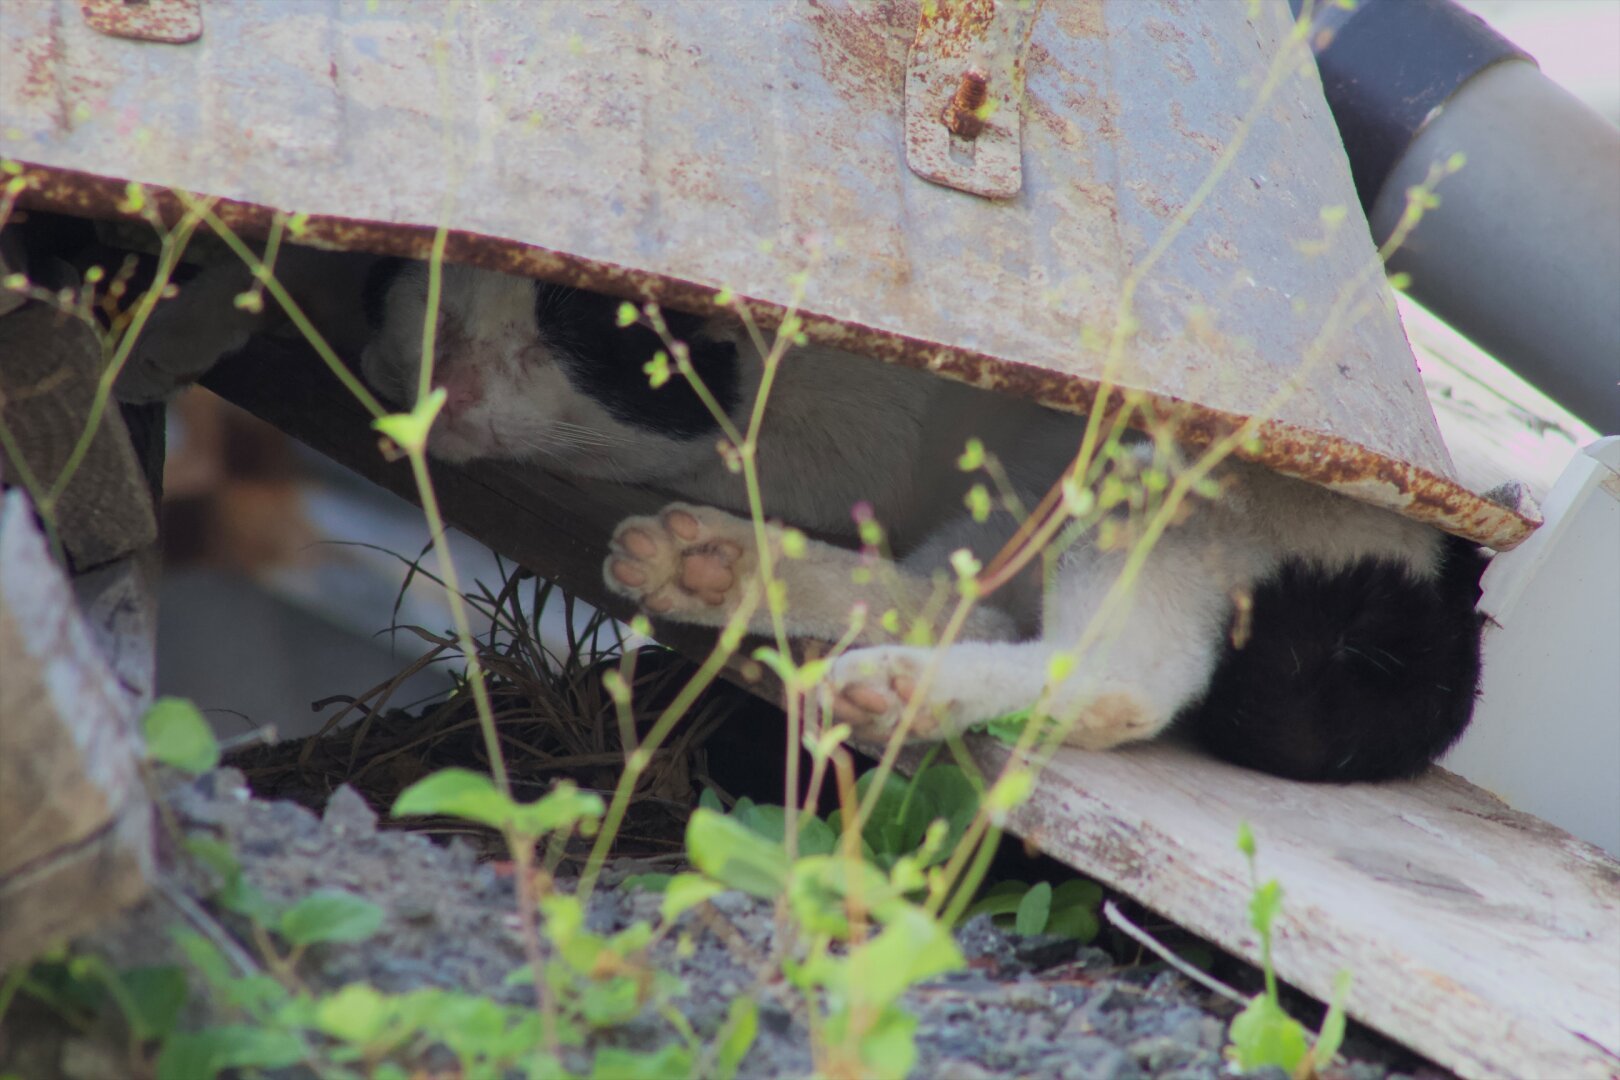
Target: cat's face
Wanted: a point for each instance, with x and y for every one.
(537, 372)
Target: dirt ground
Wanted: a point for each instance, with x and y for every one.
(1025, 1007)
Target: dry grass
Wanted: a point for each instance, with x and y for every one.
(553, 709)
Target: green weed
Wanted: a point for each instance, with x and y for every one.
(1263, 1034)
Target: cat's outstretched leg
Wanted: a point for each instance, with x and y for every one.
(696, 564)
(1142, 669)
(967, 684)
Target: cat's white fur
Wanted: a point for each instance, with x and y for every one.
(838, 430)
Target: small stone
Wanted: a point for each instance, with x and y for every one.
(732, 902)
(774, 1018)
(1041, 951)
(1026, 994)
(961, 1069)
(1160, 1053)
(416, 909)
(1094, 1058)
(347, 814)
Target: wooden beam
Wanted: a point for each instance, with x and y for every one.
(75, 821)
(555, 526)
(1481, 937)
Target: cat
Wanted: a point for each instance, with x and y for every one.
(1281, 626)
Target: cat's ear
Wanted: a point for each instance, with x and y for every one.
(374, 295)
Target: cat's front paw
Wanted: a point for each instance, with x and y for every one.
(689, 561)
(873, 688)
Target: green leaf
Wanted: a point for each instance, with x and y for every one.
(410, 430)
(1245, 839)
(819, 891)
(1007, 728)
(205, 1054)
(1331, 1037)
(673, 1062)
(1264, 905)
(188, 1057)
(1262, 1034)
(898, 820)
(816, 837)
(1002, 898)
(889, 1047)
(234, 893)
(1076, 923)
(330, 915)
(912, 946)
(356, 1014)
(954, 799)
(710, 800)
(177, 735)
(1077, 892)
(459, 793)
(158, 994)
(562, 808)
(1009, 792)
(733, 854)
(609, 1003)
(1033, 909)
(687, 891)
(742, 1026)
(654, 882)
(657, 369)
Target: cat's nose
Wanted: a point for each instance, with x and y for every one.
(463, 388)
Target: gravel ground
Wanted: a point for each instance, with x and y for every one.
(1026, 1007)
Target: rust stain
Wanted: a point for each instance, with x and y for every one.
(961, 115)
(173, 21)
(861, 50)
(1332, 462)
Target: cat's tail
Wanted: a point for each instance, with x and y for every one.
(1367, 673)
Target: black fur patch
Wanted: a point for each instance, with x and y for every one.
(1365, 674)
(608, 363)
(374, 297)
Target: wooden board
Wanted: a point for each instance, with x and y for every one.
(1483, 938)
(1480, 937)
(75, 821)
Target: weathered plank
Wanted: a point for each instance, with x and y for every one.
(1481, 937)
(75, 821)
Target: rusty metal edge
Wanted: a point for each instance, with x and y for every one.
(1334, 463)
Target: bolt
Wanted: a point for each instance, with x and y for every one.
(962, 114)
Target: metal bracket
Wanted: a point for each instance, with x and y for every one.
(964, 88)
(172, 21)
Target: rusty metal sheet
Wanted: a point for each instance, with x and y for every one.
(664, 150)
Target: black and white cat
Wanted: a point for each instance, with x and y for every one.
(1359, 655)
